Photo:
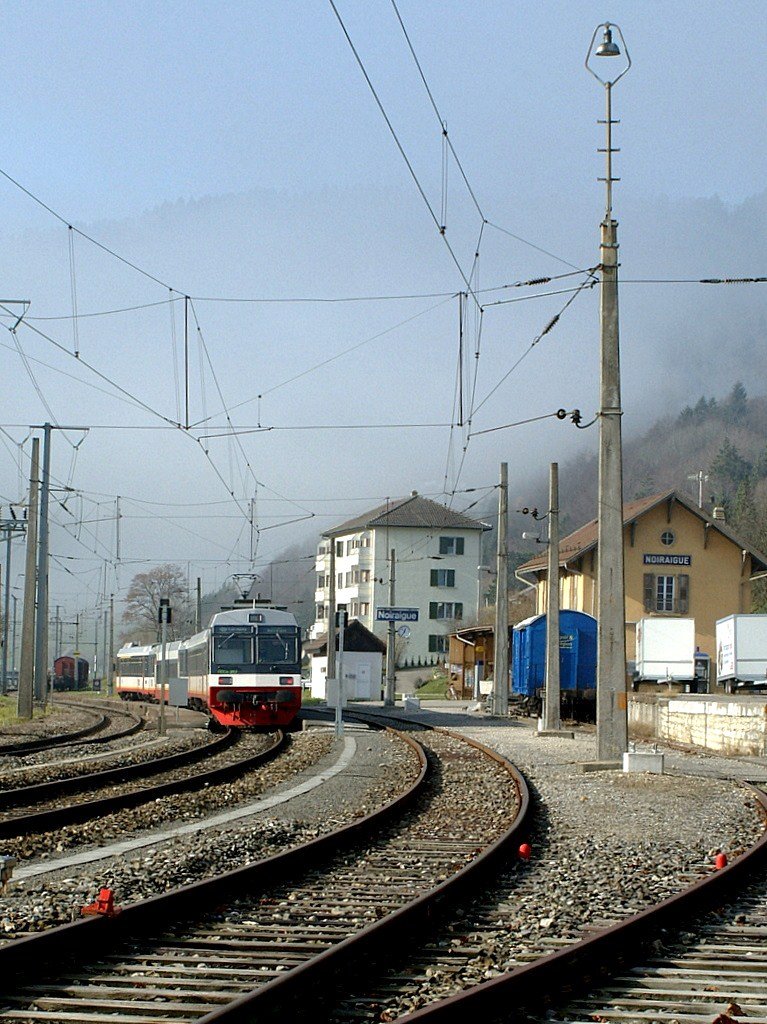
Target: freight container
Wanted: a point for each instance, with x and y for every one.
(665, 650)
(741, 652)
(577, 661)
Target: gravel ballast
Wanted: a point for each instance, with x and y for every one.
(605, 846)
(383, 767)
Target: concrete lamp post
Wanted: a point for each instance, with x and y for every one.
(612, 716)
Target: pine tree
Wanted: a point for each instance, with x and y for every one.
(736, 406)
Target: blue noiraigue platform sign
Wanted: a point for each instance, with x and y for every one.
(396, 614)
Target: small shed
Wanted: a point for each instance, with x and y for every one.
(471, 659)
(362, 665)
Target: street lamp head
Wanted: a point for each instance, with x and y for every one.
(607, 48)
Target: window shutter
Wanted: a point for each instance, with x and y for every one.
(434, 577)
(432, 642)
(432, 609)
(443, 545)
(450, 578)
(649, 591)
(684, 593)
(459, 545)
(458, 610)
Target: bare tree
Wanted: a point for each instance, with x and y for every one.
(143, 602)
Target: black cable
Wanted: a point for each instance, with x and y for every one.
(400, 147)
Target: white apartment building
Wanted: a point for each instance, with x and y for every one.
(437, 555)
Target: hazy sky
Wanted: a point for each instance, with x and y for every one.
(235, 151)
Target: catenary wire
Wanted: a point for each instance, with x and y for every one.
(404, 155)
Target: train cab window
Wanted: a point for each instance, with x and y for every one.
(277, 645)
(232, 648)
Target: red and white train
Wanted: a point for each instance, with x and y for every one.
(244, 669)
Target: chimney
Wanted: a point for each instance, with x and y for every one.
(717, 513)
(414, 494)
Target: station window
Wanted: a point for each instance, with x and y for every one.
(445, 610)
(443, 577)
(438, 644)
(667, 538)
(451, 545)
(667, 593)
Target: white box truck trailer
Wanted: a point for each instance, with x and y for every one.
(665, 650)
(741, 652)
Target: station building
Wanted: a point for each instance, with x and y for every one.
(678, 561)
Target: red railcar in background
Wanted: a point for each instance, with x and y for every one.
(70, 672)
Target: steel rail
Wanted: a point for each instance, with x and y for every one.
(86, 733)
(111, 776)
(25, 959)
(45, 821)
(29, 746)
(296, 991)
(567, 973)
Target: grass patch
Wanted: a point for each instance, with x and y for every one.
(8, 709)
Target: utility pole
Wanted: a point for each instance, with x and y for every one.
(13, 639)
(96, 663)
(105, 669)
(612, 701)
(330, 672)
(391, 654)
(341, 617)
(164, 614)
(8, 527)
(501, 637)
(198, 607)
(551, 722)
(701, 477)
(110, 669)
(41, 623)
(27, 661)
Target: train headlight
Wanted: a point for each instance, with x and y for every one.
(286, 680)
(225, 680)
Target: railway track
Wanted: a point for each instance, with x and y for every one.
(89, 781)
(97, 732)
(699, 957)
(252, 942)
(58, 815)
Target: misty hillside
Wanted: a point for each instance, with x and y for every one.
(725, 438)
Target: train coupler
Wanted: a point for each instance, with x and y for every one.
(103, 905)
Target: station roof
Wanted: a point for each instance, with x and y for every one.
(585, 539)
(357, 637)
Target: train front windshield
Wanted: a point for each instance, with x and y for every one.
(277, 649)
(233, 648)
(267, 649)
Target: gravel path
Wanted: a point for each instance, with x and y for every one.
(607, 844)
(382, 767)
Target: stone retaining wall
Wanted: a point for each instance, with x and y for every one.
(728, 725)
